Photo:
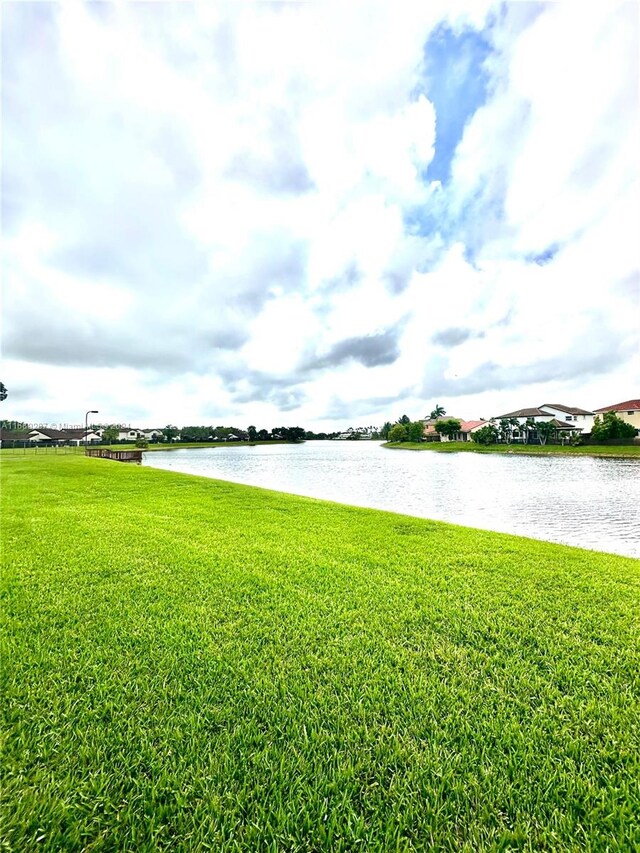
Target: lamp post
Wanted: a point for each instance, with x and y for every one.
(86, 427)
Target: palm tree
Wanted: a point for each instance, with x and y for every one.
(528, 428)
(438, 412)
(505, 430)
(545, 431)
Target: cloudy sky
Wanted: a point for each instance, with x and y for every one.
(318, 214)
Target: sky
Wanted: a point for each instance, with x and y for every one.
(318, 214)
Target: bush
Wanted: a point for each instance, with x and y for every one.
(449, 427)
(415, 431)
(486, 435)
(611, 426)
(398, 433)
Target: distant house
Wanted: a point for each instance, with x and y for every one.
(47, 436)
(467, 428)
(628, 411)
(536, 415)
(522, 415)
(134, 433)
(152, 434)
(13, 437)
(129, 434)
(578, 419)
(581, 418)
(429, 432)
(77, 437)
(44, 436)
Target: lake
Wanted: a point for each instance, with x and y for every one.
(584, 501)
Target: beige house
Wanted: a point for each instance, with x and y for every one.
(628, 411)
(466, 429)
(429, 431)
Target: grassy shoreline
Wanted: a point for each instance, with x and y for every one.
(186, 445)
(194, 664)
(623, 451)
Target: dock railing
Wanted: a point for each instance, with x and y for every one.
(118, 455)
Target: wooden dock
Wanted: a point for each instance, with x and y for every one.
(118, 455)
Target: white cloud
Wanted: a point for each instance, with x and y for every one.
(206, 201)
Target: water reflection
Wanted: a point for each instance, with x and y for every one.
(583, 501)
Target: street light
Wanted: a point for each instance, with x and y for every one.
(86, 427)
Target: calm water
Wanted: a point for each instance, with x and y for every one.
(589, 502)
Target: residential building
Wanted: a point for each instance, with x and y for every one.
(536, 415)
(571, 414)
(628, 411)
(152, 434)
(77, 436)
(429, 432)
(523, 415)
(467, 428)
(129, 434)
(13, 437)
(50, 437)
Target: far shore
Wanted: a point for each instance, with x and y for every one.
(179, 445)
(610, 451)
(190, 445)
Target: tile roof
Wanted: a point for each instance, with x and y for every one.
(620, 407)
(523, 413)
(52, 433)
(570, 410)
(13, 435)
(74, 433)
(564, 425)
(467, 426)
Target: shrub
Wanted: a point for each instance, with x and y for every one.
(486, 435)
(398, 433)
(611, 426)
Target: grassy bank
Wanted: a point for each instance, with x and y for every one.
(180, 445)
(192, 665)
(530, 449)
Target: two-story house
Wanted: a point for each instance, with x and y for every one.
(628, 411)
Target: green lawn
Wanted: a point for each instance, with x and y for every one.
(531, 449)
(197, 665)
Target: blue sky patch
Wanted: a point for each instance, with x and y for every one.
(545, 257)
(456, 82)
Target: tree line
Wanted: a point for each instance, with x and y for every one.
(404, 429)
(231, 433)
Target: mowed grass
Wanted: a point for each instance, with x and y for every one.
(196, 665)
(625, 450)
